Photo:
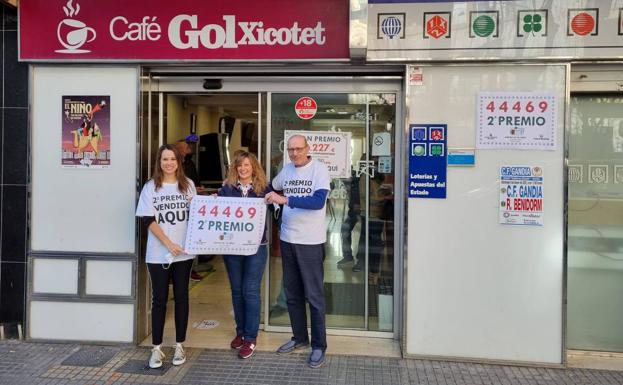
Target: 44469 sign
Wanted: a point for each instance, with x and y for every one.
(224, 225)
(516, 120)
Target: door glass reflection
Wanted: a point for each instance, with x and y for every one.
(595, 233)
(359, 250)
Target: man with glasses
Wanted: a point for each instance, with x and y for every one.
(305, 185)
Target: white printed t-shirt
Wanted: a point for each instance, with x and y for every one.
(170, 208)
(303, 226)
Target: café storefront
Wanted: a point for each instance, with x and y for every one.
(444, 107)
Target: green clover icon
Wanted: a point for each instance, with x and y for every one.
(532, 23)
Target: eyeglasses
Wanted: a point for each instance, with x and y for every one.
(296, 149)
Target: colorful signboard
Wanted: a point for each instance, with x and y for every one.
(521, 29)
(516, 120)
(330, 148)
(85, 139)
(521, 195)
(81, 30)
(427, 160)
(224, 225)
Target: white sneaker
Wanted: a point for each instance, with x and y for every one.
(155, 361)
(180, 356)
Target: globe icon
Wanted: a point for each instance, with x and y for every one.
(391, 26)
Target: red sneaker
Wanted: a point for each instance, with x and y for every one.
(247, 349)
(194, 276)
(237, 342)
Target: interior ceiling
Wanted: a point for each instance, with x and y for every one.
(239, 106)
(242, 106)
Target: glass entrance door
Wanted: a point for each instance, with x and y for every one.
(595, 233)
(359, 252)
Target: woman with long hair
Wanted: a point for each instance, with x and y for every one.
(163, 208)
(246, 179)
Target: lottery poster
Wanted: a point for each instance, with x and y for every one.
(225, 225)
(516, 120)
(86, 131)
(330, 148)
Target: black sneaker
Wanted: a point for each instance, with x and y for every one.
(277, 311)
(345, 261)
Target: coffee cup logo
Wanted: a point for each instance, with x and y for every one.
(72, 33)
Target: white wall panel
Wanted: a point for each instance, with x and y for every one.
(108, 277)
(476, 288)
(83, 210)
(81, 321)
(55, 276)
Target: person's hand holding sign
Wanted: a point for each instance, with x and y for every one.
(273, 197)
(174, 249)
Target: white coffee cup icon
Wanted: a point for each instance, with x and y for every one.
(73, 34)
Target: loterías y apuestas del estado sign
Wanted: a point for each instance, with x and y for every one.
(81, 30)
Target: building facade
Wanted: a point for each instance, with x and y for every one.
(475, 151)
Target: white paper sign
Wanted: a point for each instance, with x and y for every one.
(225, 225)
(381, 144)
(385, 164)
(516, 120)
(328, 147)
(521, 195)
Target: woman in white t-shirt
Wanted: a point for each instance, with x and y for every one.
(163, 207)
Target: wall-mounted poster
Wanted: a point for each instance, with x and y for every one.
(521, 195)
(86, 131)
(516, 120)
(330, 148)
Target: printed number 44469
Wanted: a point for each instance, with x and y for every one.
(227, 211)
(517, 106)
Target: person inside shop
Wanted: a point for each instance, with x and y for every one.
(305, 183)
(352, 217)
(185, 147)
(246, 179)
(163, 207)
(380, 209)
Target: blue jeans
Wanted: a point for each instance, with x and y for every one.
(245, 277)
(303, 276)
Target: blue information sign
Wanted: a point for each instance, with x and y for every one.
(427, 160)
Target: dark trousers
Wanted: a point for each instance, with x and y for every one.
(303, 278)
(375, 244)
(245, 278)
(180, 274)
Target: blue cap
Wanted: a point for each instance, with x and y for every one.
(192, 138)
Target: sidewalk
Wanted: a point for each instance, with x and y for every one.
(37, 363)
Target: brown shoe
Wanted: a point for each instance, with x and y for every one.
(237, 342)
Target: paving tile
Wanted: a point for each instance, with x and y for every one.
(37, 364)
(91, 356)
